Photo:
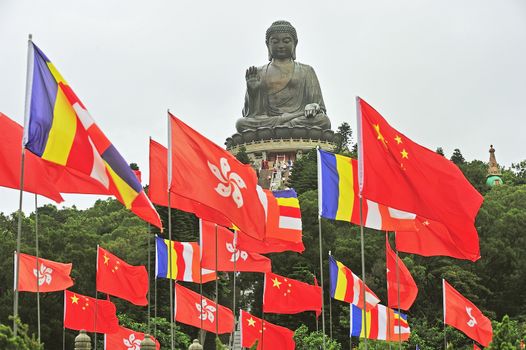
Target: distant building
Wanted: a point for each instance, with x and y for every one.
(494, 174)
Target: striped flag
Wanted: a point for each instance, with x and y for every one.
(186, 262)
(338, 197)
(60, 129)
(289, 210)
(346, 286)
(380, 322)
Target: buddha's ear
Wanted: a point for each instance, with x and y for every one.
(269, 54)
(294, 53)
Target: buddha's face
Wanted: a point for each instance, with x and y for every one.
(281, 45)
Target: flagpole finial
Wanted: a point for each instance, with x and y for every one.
(30, 37)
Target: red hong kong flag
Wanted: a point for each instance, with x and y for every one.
(204, 172)
(462, 314)
(118, 278)
(400, 279)
(401, 174)
(227, 253)
(283, 295)
(79, 313)
(269, 336)
(158, 189)
(201, 312)
(52, 276)
(126, 339)
(475, 347)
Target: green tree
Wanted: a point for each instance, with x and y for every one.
(242, 155)
(22, 341)
(306, 340)
(343, 138)
(440, 151)
(457, 157)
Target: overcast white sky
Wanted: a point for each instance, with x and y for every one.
(446, 73)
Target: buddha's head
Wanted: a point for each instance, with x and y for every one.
(281, 40)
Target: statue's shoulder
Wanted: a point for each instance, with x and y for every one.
(304, 66)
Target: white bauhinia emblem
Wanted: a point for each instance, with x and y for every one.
(472, 321)
(231, 183)
(206, 312)
(236, 254)
(44, 275)
(132, 343)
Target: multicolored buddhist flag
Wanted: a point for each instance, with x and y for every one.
(60, 130)
(289, 211)
(186, 262)
(380, 323)
(346, 286)
(338, 197)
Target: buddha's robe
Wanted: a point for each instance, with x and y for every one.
(285, 107)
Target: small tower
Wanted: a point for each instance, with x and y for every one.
(493, 177)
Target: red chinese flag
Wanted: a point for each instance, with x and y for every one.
(401, 280)
(206, 173)
(431, 238)
(199, 312)
(227, 252)
(35, 174)
(126, 339)
(401, 174)
(158, 188)
(283, 295)
(462, 314)
(79, 313)
(118, 278)
(269, 336)
(52, 276)
(475, 347)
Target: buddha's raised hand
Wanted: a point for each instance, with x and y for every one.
(252, 78)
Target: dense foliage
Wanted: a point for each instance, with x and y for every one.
(496, 283)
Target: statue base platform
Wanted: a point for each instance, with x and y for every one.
(273, 159)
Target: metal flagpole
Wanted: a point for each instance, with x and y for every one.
(363, 273)
(201, 331)
(321, 282)
(169, 172)
(217, 291)
(320, 244)
(387, 283)
(170, 271)
(149, 274)
(63, 326)
(398, 299)
(444, 305)
(360, 182)
(38, 266)
(330, 310)
(27, 106)
(96, 301)
(234, 286)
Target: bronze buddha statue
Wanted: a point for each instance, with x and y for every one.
(283, 92)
